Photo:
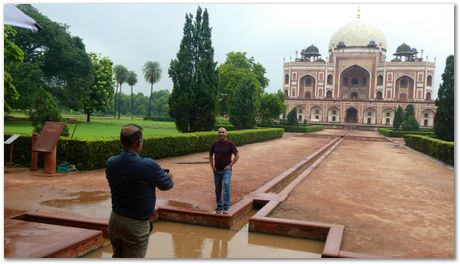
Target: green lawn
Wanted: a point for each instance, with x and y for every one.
(99, 128)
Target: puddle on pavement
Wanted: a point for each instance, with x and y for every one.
(98, 204)
(175, 240)
(91, 204)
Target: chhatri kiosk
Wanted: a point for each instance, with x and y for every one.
(356, 84)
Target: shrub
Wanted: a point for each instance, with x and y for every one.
(401, 133)
(292, 118)
(159, 118)
(91, 153)
(436, 148)
(298, 129)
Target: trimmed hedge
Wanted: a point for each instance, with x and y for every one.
(298, 129)
(91, 153)
(436, 148)
(160, 118)
(401, 133)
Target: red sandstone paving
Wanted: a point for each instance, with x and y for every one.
(365, 133)
(329, 132)
(194, 182)
(393, 201)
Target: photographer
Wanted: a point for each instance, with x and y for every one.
(132, 182)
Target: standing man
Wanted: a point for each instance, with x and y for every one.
(132, 181)
(221, 165)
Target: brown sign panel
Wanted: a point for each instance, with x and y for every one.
(48, 137)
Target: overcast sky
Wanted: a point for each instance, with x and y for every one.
(131, 34)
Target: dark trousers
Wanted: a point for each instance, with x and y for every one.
(129, 237)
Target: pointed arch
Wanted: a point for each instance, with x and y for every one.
(307, 83)
(316, 114)
(354, 79)
(405, 88)
(388, 114)
(351, 115)
(333, 114)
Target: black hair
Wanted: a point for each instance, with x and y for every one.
(129, 140)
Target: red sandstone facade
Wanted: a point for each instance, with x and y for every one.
(356, 84)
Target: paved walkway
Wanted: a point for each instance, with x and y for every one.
(393, 201)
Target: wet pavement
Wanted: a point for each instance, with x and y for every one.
(174, 240)
(393, 201)
(368, 166)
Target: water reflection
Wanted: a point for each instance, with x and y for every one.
(175, 240)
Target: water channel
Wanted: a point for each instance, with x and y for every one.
(176, 240)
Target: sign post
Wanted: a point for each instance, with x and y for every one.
(47, 143)
(10, 141)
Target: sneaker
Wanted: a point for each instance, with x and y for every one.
(218, 210)
(225, 211)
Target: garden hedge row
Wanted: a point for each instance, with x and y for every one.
(91, 153)
(298, 129)
(436, 148)
(401, 133)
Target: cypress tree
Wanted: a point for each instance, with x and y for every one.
(292, 118)
(399, 118)
(193, 99)
(409, 121)
(444, 118)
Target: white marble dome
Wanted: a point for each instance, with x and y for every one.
(357, 33)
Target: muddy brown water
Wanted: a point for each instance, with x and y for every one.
(175, 240)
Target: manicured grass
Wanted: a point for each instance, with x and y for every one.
(99, 128)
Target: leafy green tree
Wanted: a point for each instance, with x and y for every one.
(193, 100)
(121, 73)
(99, 94)
(152, 74)
(292, 118)
(398, 118)
(62, 58)
(444, 118)
(242, 111)
(409, 121)
(45, 109)
(160, 105)
(13, 56)
(230, 72)
(132, 80)
(272, 106)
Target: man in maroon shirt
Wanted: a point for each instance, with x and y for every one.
(221, 165)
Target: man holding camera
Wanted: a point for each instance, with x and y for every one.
(132, 182)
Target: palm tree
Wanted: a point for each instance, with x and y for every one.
(131, 80)
(152, 74)
(121, 73)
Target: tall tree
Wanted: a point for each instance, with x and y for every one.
(13, 56)
(444, 118)
(45, 109)
(409, 121)
(243, 109)
(231, 71)
(131, 80)
(121, 73)
(292, 118)
(193, 100)
(272, 106)
(99, 94)
(61, 57)
(152, 74)
(398, 118)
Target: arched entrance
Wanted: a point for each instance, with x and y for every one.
(352, 115)
(354, 83)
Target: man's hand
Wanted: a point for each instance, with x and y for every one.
(170, 175)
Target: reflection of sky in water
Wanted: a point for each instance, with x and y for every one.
(90, 204)
(175, 240)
